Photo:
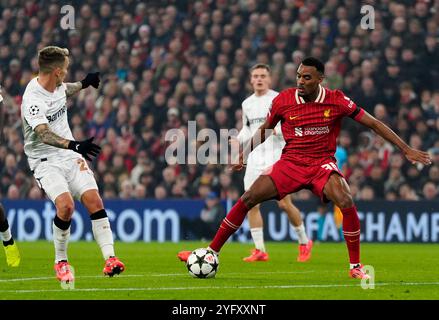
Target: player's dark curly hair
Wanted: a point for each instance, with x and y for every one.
(314, 62)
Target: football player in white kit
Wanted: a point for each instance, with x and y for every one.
(254, 112)
(57, 161)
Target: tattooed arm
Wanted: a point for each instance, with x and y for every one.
(48, 137)
(87, 148)
(92, 79)
(72, 88)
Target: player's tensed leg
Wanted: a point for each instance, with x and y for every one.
(257, 232)
(295, 218)
(261, 190)
(102, 231)
(61, 234)
(293, 213)
(65, 207)
(100, 223)
(257, 225)
(337, 190)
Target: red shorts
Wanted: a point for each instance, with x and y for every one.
(289, 177)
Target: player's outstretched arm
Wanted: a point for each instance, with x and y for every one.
(74, 87)
(384, 131)
(86, 148)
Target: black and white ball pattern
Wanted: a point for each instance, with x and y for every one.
(202, 263)
(33, 110)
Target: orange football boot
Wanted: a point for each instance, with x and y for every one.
(257, 255)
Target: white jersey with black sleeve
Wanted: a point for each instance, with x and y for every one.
(40, 106)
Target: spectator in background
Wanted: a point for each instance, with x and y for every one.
(205, 226)
(35, 193)
(375, 181)
(367, 193)
(126, 190)
(160, 192)
(13, 192)
(430, 191)
(333, 78)
(406, 192)
(139, 192)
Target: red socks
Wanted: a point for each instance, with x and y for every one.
(230, 224)
(351, 232)
(234, 219)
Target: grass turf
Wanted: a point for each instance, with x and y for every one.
(402, 271)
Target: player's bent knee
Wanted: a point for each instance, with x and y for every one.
(282, 204)
(65, 209)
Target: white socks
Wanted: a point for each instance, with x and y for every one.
(6, 235)
(301, 234)
(60, 240)
(258, 238)
(103, 236)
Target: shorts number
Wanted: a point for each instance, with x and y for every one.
(330, 166)
(83, 165)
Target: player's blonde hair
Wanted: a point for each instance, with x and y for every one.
(260, 66)
(51, 57)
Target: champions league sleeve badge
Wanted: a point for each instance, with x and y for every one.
(34, 110)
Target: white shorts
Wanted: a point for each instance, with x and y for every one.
(66, 175)
(251, 174)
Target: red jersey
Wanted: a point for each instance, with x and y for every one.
(310, 129)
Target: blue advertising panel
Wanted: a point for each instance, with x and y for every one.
(152, 220)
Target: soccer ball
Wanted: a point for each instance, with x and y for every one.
(202, 263)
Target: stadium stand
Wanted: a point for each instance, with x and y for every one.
(164, 63)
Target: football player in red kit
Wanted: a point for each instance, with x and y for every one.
(310, 117)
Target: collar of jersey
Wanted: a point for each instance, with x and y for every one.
(320, 97)
(44, 90)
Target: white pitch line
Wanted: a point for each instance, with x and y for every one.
(229, 273)
(218, 287)
(51, 278)
(142, 275)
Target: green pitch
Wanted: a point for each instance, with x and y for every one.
(402, 271)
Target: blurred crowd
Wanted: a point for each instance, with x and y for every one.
(164, 63)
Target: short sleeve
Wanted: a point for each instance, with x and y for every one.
(349, 107)
(274, 116)
(64, 86)
(35, 112)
